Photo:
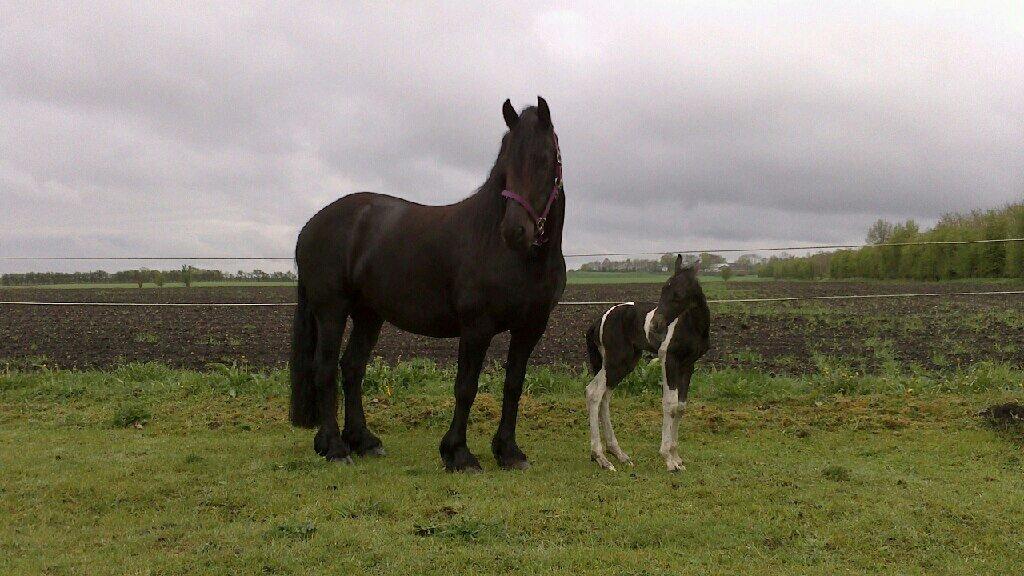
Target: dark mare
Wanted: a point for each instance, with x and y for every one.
(488, 264)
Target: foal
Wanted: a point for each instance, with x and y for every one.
(677, 329)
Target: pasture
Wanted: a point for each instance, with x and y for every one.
(821, 437)
(148, 470)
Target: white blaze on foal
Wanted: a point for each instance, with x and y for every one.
(677, 330)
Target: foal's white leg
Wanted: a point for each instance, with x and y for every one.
(671, 411)
(595, 393)
(677, 415)
(609, 432)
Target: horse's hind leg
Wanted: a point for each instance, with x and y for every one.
(365, 330)
(330, 322)
(609, 432)
(595, 393)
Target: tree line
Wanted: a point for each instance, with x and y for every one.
(662, 264)
(923, 262)
(185, 275)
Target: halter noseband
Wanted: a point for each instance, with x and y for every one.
(542, 219)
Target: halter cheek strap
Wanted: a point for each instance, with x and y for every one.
(541, 220)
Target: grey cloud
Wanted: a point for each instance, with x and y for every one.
(220, 128)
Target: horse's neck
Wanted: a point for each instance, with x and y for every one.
(483, 212)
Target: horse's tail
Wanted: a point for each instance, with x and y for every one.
(594, 349)
(303, 410)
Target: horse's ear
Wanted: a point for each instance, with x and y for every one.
(679, 262)
(511, 117)
(543, 113)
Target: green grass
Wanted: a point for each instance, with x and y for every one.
(145, 470)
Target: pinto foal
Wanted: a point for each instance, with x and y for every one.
(677, 329)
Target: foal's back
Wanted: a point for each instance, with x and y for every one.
(618, 338)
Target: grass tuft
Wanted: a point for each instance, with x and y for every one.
(132, 414)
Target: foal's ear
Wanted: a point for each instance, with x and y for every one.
(543, 113)
(679, 262)
(511, 117)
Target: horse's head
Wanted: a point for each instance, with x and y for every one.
(532, 168)
(681, 292)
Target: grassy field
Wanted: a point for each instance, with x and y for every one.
(146, 470)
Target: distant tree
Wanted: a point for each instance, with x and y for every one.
(708, 259)
(1014, 267)
(667, 261)
(186, 276)
(158, 278)
(880, 232)
(726, 273)
(140, 277)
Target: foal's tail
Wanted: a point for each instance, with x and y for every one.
(303, 410)
(593, 349)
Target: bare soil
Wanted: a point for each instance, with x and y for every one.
(933, 333)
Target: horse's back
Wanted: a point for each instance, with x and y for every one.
(382, 253)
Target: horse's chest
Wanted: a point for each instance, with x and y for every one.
(513, 299)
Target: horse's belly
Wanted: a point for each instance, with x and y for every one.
(414, 307)
(435, 326)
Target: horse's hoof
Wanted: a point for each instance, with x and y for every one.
(363, 443)
(462, 461)
(523, 464)
(472, 467)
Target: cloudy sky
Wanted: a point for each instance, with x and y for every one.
(151, 128)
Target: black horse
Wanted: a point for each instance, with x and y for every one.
(469, 270)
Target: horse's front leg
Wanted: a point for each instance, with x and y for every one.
(454, 451)
(675, 387)
(504, 446)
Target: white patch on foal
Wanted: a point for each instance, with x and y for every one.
(671, 409)
(647, 324)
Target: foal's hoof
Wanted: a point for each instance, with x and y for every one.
(675, 466)
(602, 461)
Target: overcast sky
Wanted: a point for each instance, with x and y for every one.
(148, 128)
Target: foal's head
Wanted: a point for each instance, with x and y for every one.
(530, 161)
(680, 293)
